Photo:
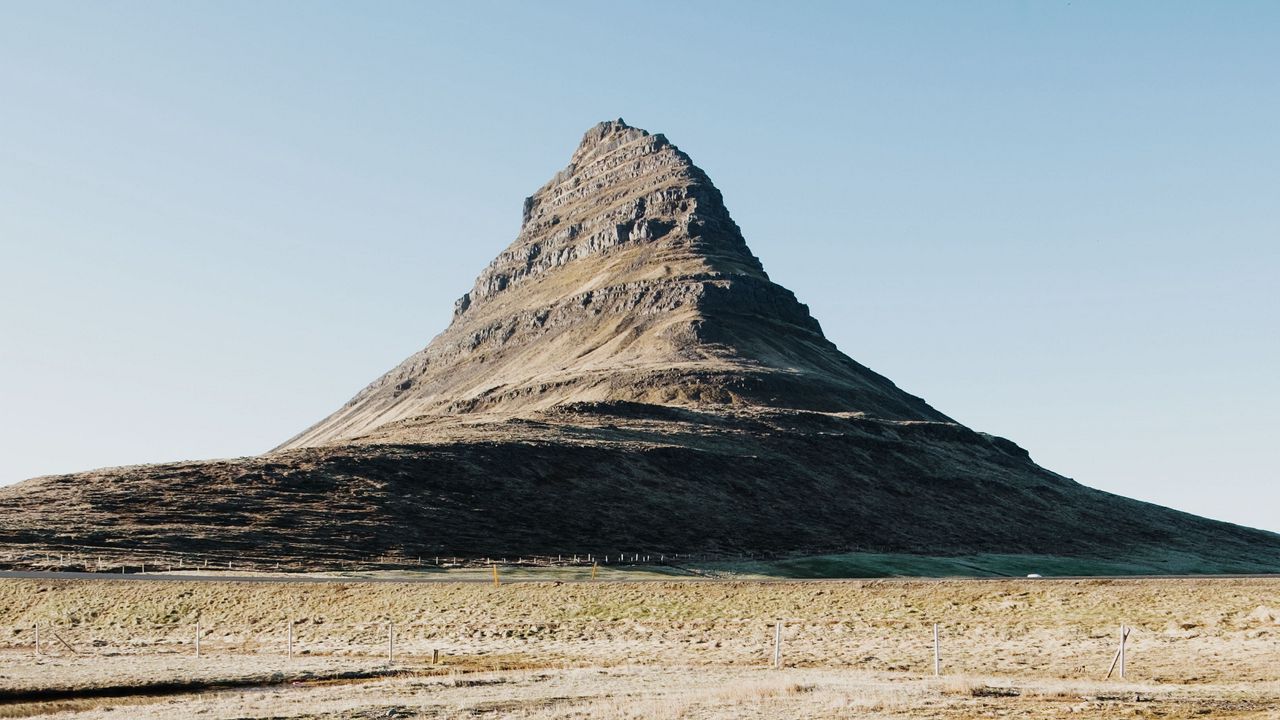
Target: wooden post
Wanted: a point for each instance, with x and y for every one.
(1119, 656)
(937, 653)
(1124, 635)
(197, 637)
(291, 639)
(777, 645)
(391, 643)
(594, 567)
(38, 650)
(64, 643)
(496, 582)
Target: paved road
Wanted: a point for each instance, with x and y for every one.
(177, 577)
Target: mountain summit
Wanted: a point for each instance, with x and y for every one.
(625, 378)
(629, 281)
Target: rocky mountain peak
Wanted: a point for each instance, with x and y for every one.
(628, 281)
(623, 188)
(605, 137)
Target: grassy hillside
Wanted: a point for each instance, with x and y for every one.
(853, 496)
(884, 565)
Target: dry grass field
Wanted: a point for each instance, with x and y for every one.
(1011, 648)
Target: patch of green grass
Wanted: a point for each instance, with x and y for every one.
(853, 565)
(881, 565)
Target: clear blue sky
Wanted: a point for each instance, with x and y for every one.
(1056, 221)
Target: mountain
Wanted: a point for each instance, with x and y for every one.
(624, 377)
(628, 282)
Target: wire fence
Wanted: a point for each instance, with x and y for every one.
(919, 648)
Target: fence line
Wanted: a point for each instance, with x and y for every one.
(395, 639)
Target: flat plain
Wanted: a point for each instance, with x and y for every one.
(698, 649)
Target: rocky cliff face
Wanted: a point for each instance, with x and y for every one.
(623, 378)
(629, 281)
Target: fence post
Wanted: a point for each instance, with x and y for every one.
(1119, 656)
(391, 643)
(1124, 635)
(777, 645)
(197, 637)
(290, 639)
(937, 652)
(38, 650)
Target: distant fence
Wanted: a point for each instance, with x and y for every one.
(923, 649)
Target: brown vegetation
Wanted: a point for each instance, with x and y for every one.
(658, 649)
